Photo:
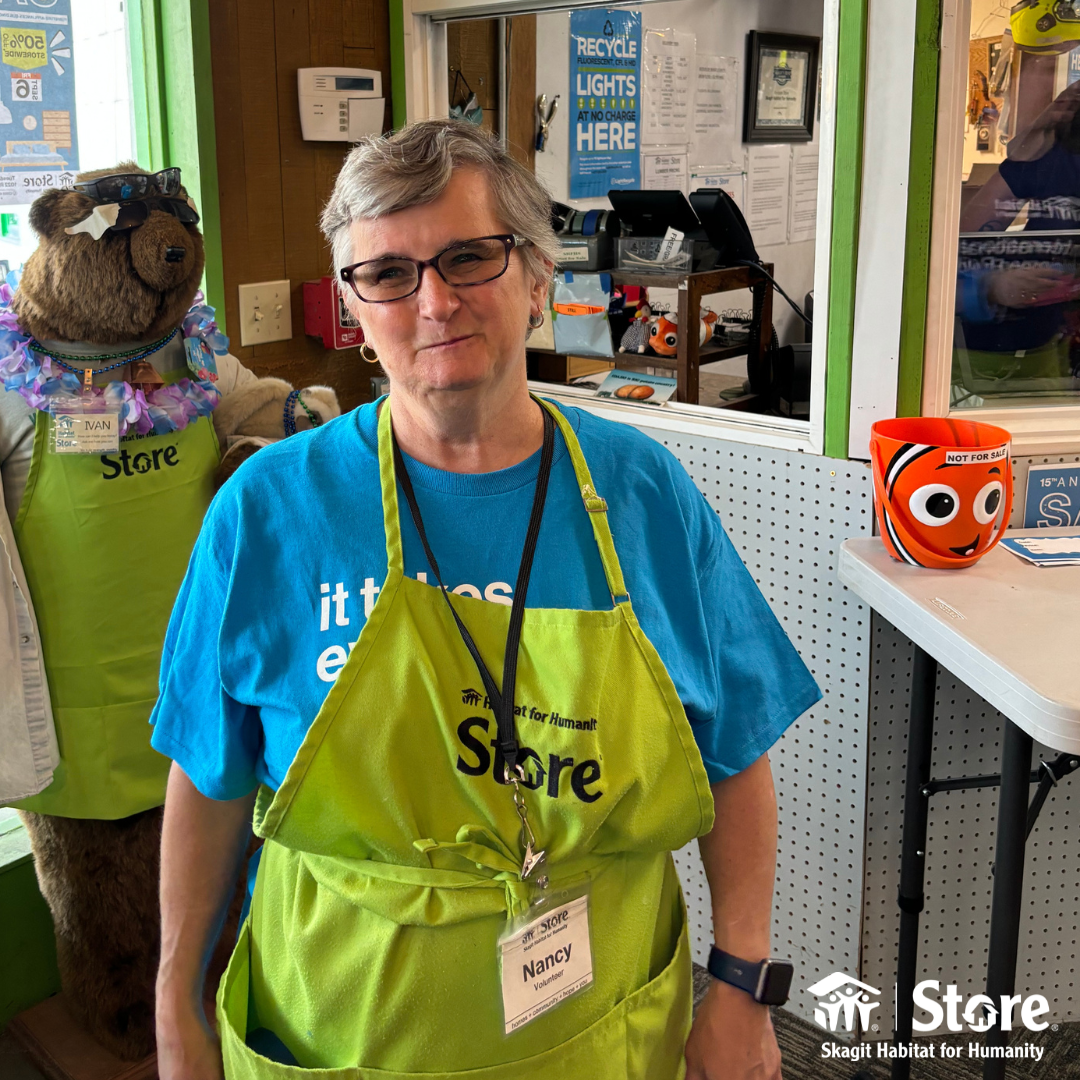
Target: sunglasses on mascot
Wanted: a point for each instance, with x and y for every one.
(132, 215)
(119, 187)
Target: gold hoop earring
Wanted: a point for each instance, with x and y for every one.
(368, 354)
(536, 321)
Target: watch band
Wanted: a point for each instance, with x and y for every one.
(766, 981)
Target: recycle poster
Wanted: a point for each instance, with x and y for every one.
(605, 96)
(39, 146)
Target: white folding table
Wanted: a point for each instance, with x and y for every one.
(1009, 631)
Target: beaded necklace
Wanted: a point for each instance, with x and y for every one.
(27, 368)
(289, 417)
(88, 373)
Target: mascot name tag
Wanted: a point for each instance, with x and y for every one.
(544, 961)
(90, 429)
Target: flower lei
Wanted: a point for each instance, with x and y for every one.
(168, 408)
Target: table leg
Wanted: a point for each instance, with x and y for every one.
(1008, 882)
(913, 848)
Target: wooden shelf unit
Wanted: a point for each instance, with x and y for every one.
(692, 288)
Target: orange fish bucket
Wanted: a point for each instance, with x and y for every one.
(942, 489)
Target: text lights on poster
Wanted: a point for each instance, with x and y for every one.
(605, 88)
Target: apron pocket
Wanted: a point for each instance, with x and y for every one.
(642, 1038)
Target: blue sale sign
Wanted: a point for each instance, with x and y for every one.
(605, 94)
(1053, 496)
(39, 145)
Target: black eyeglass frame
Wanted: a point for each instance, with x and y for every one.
(165, 183)
(510, 241)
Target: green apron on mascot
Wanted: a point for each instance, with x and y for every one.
(392, 857)
(105, 540)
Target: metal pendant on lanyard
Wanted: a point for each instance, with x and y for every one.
(502, 702)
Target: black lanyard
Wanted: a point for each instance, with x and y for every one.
(502, 703)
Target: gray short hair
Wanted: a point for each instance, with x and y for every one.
(384, 173)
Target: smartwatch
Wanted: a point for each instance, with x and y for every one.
(767, 981)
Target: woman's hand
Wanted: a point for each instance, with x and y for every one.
(187, 1046)
(1030, 287)
(732, 1038)
(1039, 137)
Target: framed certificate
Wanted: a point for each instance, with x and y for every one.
(781, 84)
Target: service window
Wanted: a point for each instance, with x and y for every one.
(65, 106)
(651, 102)
(1016, 323)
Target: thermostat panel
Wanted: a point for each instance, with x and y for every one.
(340, 104)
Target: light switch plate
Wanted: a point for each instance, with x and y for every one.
(265, 312)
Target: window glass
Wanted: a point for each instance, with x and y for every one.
(651, 103)
(84, 40)
(1017, 327)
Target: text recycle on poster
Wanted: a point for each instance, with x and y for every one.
(38, 140)
(605, 82)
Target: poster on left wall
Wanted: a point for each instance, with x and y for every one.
(605, 85)
(39, 146)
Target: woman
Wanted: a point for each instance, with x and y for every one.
(425, 833)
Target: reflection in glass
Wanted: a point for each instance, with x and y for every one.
(1017, 329)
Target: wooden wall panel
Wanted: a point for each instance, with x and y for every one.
(472, 47)
(273, 185)
(521, 132)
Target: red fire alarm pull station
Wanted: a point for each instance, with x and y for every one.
(326, 316)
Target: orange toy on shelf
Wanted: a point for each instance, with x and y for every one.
(664, 333)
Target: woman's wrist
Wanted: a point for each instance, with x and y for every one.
(177, 1000)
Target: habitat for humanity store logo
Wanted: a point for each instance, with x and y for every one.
(845, 1002)
(843, 996)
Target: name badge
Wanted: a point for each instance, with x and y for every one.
(544, 961)
(78, 432)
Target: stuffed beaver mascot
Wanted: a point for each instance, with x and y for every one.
(102, 336)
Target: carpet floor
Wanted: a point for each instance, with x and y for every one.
(801, 1047)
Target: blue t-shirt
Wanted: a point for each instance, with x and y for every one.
(292, 555)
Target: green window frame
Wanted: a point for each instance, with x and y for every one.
(172, 80)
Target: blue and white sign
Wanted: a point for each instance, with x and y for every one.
(39, 146)
(1053, 496)
(1074, 67)
(605, 95)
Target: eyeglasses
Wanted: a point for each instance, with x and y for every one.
(133, 214)
(471, 262)
(121, 186)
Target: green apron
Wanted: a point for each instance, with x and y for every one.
(392, 855)
(105, 540)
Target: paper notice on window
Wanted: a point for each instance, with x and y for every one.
(665, 169)
(731, 182)
(715, 139)
(666, 69)
(767, 182)
(802, 211)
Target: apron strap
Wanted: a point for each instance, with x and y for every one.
(395, 560)
(596, 507)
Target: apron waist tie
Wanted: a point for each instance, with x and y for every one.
(441, 895)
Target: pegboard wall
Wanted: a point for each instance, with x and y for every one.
(955, 924)
(787, 514)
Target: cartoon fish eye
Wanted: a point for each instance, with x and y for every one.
(934, 504)
(671, 340)
(988, 502)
